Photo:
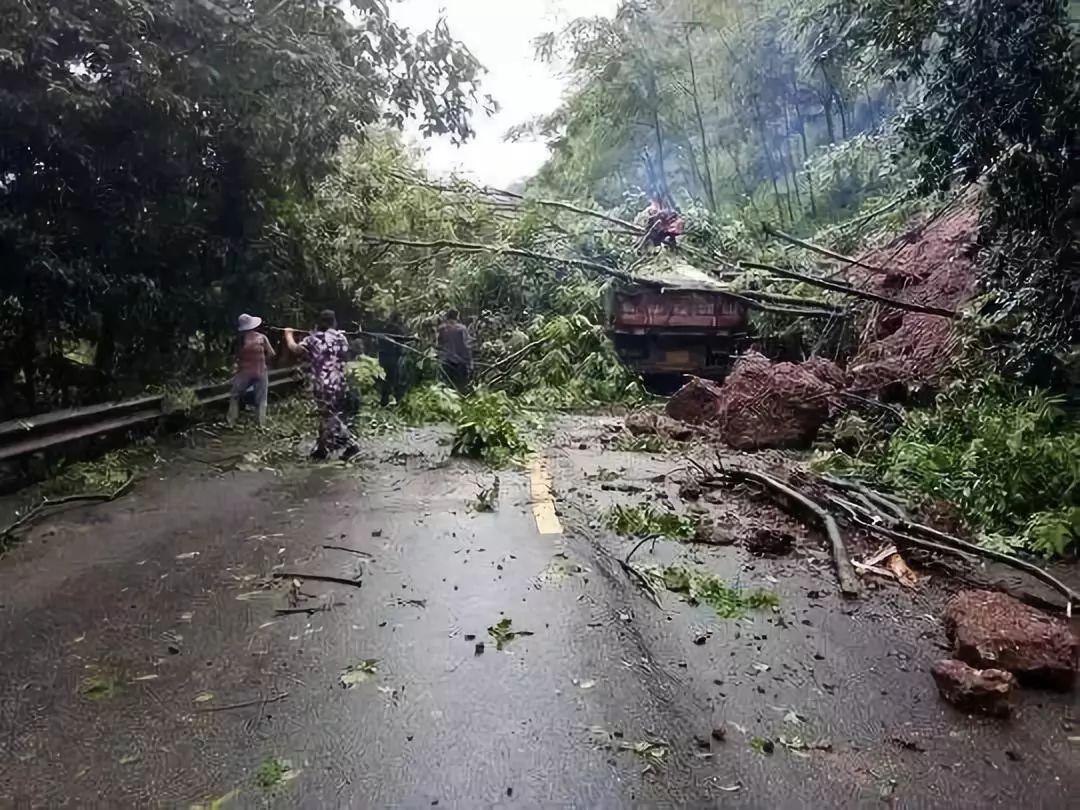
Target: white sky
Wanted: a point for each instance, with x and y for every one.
(500, 34)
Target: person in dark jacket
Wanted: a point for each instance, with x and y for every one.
(455, 353)
(392, 359)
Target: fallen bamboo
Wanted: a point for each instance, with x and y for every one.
(323, 608)
(852, 513)
(473, 247)
(38, 509)
(761, 306)
(356, 583)
(635, 574)
(878, 499)
(491, 191)
(845, 572)
(587, 264)
(350, 550)
(506, 364)
(846, 289)
(1007, 559)
(948, 544)
(779, 234)
(244, 704)
(777, 298)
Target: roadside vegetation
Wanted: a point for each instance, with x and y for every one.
(1005, 461)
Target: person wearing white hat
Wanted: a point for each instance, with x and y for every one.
(252, 358)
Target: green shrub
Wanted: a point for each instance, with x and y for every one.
(1010, 463)
(364, 374)
(486, 429)
(431, 403)
(573, 364)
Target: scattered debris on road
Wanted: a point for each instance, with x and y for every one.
(262, 701)
(647, 521)
(356, 583)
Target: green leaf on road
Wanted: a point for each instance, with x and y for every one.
(358, 673)
(503, 635)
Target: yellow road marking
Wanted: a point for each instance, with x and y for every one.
(543, 505)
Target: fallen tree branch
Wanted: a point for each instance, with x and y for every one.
(350, 550)
(846, 289)
(777, 298)
(244, 704)
(845, 572)
(947, 544)
(48, 503)
(356, 583)
(754, 303)
(323, 608)
(507, 364)
(779, 234)
(491, 191)
(852, 513)
(873, 403)
(1013, 562)
(895, 510)
(883, 209)
(635, 574)
(473, 247)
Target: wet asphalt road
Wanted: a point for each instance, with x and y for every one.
(159, 595)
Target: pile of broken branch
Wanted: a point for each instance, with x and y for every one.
(830, 502)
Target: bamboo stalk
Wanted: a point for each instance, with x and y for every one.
(771, 231)
(895, 303)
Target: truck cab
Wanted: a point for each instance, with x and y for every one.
(675, 320)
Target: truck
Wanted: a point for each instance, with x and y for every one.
(673, 319)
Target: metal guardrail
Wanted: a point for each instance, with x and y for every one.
(20, 437)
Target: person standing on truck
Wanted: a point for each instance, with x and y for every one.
(455, 354)
(252, 358)
(327, 350)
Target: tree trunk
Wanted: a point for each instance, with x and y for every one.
(658, 133)
(768, 158)
(790, 160)
(695, 170)
(805, 150)
(705, 159)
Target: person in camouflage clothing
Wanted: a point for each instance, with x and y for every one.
(327, 350)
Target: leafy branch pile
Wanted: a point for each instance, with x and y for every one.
(487, 429)
(728, 602)
(647, 521)
(571, 363)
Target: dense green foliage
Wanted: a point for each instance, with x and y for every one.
(1009, 463)
(1003, 461)
(486, 429)
(535, 323)
(146, 146)
(733, 107)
